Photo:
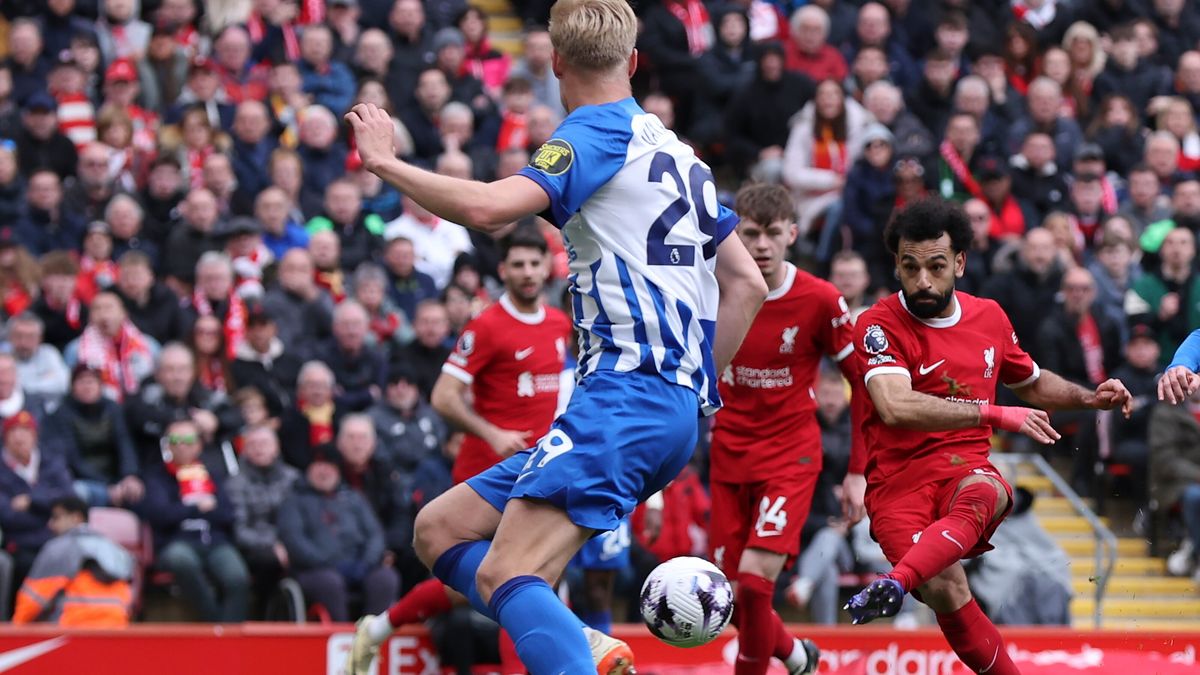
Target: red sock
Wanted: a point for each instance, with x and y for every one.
(948, 539)
(758, 625)
(785, 642)
(976, 641)
(426, 599)
(510, 663)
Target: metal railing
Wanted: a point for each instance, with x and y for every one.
(1106, 541)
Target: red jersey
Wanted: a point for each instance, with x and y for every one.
(959, 358)
(512, 361)
(769, 420)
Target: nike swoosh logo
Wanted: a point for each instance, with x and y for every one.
(523, 354)
(15, 657)
(946, 534)
(925, 370)
(522, 476)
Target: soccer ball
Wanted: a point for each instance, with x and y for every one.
(686, 602)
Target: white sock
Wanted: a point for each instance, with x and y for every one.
(799, 658)
(379, 628)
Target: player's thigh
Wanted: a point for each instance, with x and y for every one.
(948, 591)
(731, 516)
(1002, 488)
(460, 514)
(534, 538)
(897, 523)
(780, 507)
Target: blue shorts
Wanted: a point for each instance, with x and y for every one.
(606, 551)
(623, 437)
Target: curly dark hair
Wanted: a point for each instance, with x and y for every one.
(928, 219)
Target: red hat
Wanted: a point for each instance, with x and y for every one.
(21, 419)
(121, 70)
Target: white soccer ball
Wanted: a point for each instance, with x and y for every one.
(686, 602)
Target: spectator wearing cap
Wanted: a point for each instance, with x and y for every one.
(30, 481)
(280, 233)
(357, 366)
(359, 232)
(40, 145)
(870, 195)
(193, 235)
(1044, 113)
(1037, 180)
(174, 393)
(27, 59)
(112, 345)
(150, 305)
(330, 83)
(203, 90)
(1010, 216)
(258, 493)
(40, 367)
(407, 427)
(97, 269)
(302, 311)
(327, 560)
(252, 146)
(99, 449)
(808, 49)
(249, 255)
(192, 518)
(263, 362)
(59, 306)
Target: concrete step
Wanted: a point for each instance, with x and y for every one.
(508, 44)
(1079, 546)
(1037, 484)
(493, 7)
(1138, 587)
(504, 24)
(1053, 506)
(1132, 566)
(1067, 524)
(1166, 608)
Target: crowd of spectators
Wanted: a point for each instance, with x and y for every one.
(215, 317)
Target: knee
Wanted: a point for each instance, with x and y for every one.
(492, 574)
(947, 591)
(179, 559)
(761, 563)
(431, 534)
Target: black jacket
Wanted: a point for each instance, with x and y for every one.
(172, 520)
(95, 438)
(1024, 298)
(759, 115)
(161, 317)
(1059, 349)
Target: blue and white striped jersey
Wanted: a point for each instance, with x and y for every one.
(640, 217)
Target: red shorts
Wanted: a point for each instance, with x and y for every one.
(898, 520)
(767, 515)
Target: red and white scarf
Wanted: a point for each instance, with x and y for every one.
(959, 169)
(116, 359)
(257, 27)
(694, 17)
(235, 319)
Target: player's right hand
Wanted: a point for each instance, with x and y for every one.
(1028, 421)
(1177, 384)
(507, 443)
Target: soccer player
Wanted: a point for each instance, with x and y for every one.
(1179, 380)
(766, 444)
(662, 296)
(508, 361)
(931, 359)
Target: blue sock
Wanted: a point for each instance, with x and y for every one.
(457, 567)
(548, 636)
(600, 620)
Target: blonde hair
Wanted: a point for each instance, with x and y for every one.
(595, 35)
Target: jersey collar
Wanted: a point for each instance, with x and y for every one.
(789, 278)
(531, 319)
(937, 322)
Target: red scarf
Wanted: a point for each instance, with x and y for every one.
(514, 132)
(194, 482)
(385, 325)
(1093, 350)
(332, 281)
(320, 422)
(828, 152)
(959, 169)
(1008, 221)
(17, 299)
(235, 319)
(117, 360)
(195, 166)
(257, 27)
(694, 17)
(212, 374)
(93, 276)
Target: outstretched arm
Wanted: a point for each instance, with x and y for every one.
(488, 207)
(1052, 392)
(742, 293)
(899, 406)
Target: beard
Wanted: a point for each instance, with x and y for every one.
(927, 304)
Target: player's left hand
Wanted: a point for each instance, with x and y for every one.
(374, 133)
(1112, 393)
(854, 488)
